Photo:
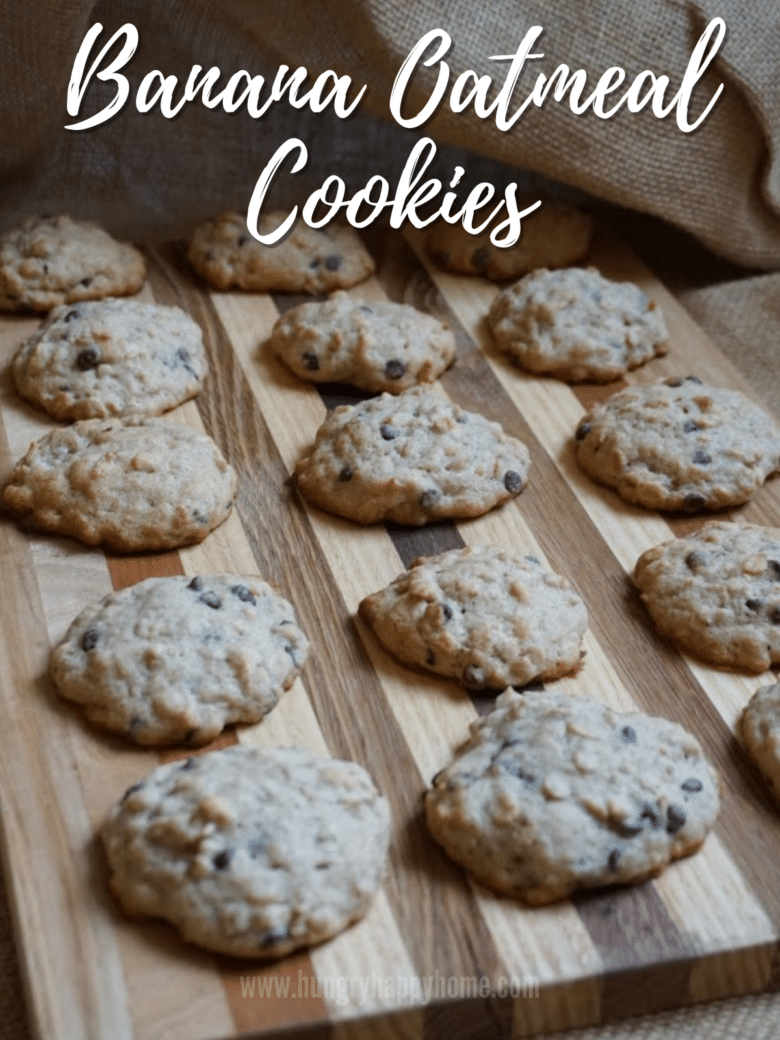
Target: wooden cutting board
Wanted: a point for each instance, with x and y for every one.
(707, 928)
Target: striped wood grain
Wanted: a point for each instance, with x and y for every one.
(708, 927)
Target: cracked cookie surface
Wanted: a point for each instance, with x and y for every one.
(111, 357)
(679, 445)
(308, 260)
(48, 261)
(576, 325)
(482, 617)
(760, 725)
(555, 235)
(378, 346)
(411, 458)
(716, 594)
(133, 484)
(250, 851)
(552, 794)
(175, 660)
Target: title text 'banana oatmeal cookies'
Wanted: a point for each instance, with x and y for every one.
(716, 594)
(679, 445)
(552, 794)
(378, 346)
(308, 260)
(576, 325)
(111, 357)
(482, 617)
(411, 458)
(248, 851)
(47, 261)
(175, 660)
(133, 484)
(555, 235)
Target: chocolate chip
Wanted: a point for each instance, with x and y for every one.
(628, 733)
(290, 649)
(533, 559)
(774, 617)
(211, 599)
(131, 790)
(90, 639)
(693, 379)
(514, 769)
(311, 361)
(430, 657)
(692, 785)
(190, 736)
(255, 847)
(774, 569)
(473, 677)
(675, 381)
(71, 315)
(429, 498)
(689, 426)
(394, 368)
(650, 812)
(315, 264)
(479, 258)
(272, 937)
(187, 764)
(693, 502)
(346, 474)
(333, 262)
(626, 829)
(243, 240)
(388, 433)
(701, 458)
(222, 859)
(613, 859)
(695, 559)
(86, 281)
(513, 482)
(243, 593)
(196, 584)
(366, 310)
(675, 819)
(87, 359)
(582, 431)
(754, 604)
(446, 610)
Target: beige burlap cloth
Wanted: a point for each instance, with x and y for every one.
(145, 176)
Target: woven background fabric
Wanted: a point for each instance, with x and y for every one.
(144, 173)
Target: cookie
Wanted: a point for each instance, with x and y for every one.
(48, 261)
(248, 851)
(482, 617)
(411, 458)
(716, 594)
(133, 484)
(377, 347)
(308, 260)
(577, 326)
(679, 445)
(552, 794)
(111, 357)
(760, 726)
(175, 660)
(555, 235)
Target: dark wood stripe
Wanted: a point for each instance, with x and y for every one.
(430, 899)
(631, 929)
(490, 1018)
(654, 673)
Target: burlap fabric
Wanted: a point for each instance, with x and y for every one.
(145, 176)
